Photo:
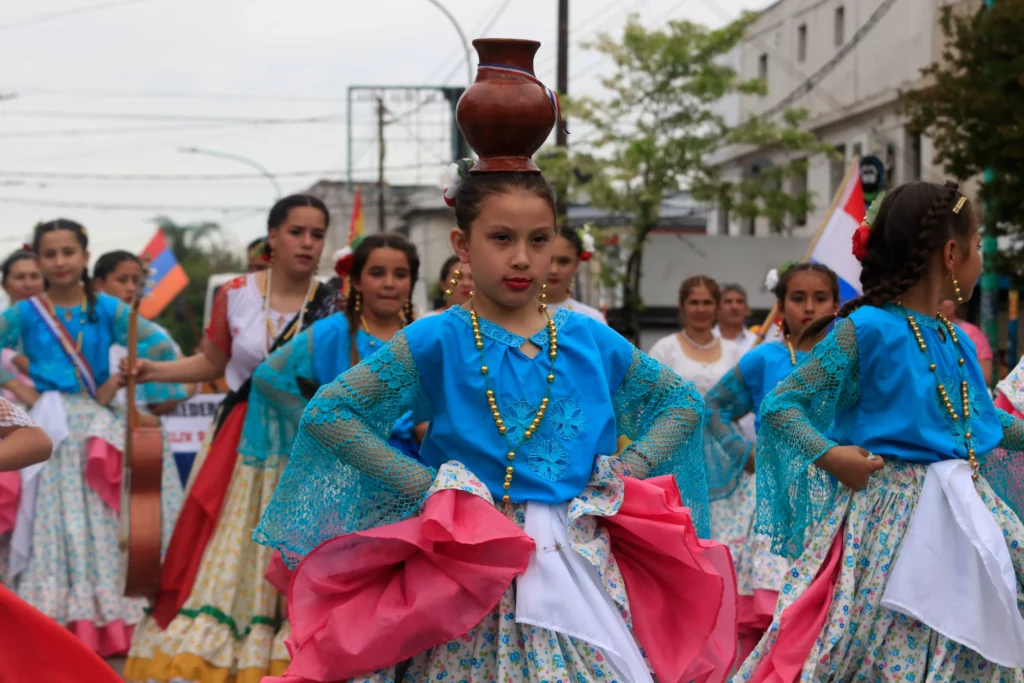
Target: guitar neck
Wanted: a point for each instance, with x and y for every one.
(133, 355)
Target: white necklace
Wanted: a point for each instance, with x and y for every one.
(703, 347)
(268, 325)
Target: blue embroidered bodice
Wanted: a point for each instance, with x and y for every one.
(342, 475)
(868, 384)
(52, 370)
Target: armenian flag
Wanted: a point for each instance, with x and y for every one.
(167, 279)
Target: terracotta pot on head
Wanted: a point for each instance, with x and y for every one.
(507, 114)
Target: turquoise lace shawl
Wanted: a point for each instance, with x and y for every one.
(726, 450)
(343, 476)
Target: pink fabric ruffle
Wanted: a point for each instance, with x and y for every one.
(801, 623)
(103, 472)
(369, 600)
(755, 616)
(10, 491)
(278, 575)
(1004, 403)
(112, 640)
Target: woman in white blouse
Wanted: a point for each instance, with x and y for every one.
(695, 353)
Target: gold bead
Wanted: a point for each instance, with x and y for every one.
(544, 287)
(967, 413)
(551, 378)
(490, 393)
(536, 422)
(447, 292)
(932, 367)
(505, 499)
(479, 346)
(483, 369)
(543, 307)
(955, 417)
(553, 354)
(544, 401)
(453, 282)
(970, 453)
(458, 272)
(511, 455)
(967, 435)
(961, 361)
(506, 486)
(509, 469)
(508, 477)
(528, 434)
(501, 430)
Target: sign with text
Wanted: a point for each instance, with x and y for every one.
(188, 424)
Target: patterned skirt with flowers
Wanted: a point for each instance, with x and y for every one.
(861, 640)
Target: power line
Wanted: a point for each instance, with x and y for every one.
(483, 33)
(93, 132)
(214, 96)
(105, 206)
(119, 116)
(60, 14)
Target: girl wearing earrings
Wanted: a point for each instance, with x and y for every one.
(453, 294)
(502, 554)
(805, 292)
(252, 316)
(570, 249)
(64, 555)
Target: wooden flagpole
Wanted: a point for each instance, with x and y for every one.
(854, 166)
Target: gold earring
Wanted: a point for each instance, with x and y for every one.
(543, 296)
(452, 283)
(956, 288)
(359, 301)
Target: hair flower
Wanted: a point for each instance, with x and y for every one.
(771, 281)
(863, 233)
(343, 262)
(26, 247)
(452, 177)
(587, 240)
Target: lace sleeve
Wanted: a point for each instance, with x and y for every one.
(792, 494)
(726, 451)
(662, 414)
(281, 387)
(342, 475)
(1003, 468)
(10, 335)
(154, 344)
(13, 416)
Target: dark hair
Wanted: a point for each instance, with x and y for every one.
(19, 255)
(258, 242)
(280, 210)
(82, 236)
(914, 220)
(108, 263)
(692, 283)
(391, 240)
(573, 237)
(791, 272)
(476, 187)
(733, 287)
(449, 263)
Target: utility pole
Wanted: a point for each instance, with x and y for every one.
(381, 111)
(989, 276)
(563, 62)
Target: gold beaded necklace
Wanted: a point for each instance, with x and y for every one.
(964, 393)
(81, 326)
(492, 402)
(792, 351)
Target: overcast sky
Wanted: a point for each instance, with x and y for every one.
(117, 87)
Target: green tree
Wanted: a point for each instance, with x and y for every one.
(202, 251)
(657, 130)
(972, 105)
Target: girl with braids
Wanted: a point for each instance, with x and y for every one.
(805, 292)
(884, 469)
(64, 554)
(505, 553)
(568, 253)
(187, 637)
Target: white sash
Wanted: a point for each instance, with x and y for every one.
(954, 571)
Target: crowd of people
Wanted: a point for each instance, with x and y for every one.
(505, 488)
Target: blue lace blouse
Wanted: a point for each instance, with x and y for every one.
(343, 476)
(868, 384)
(738, 393)
(52, 370)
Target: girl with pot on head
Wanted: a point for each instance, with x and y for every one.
(453, 294)
(491, 558)
(252, 316)
(570, 249)
(65, 554)
(695, 353)
(885, 471)
(805, 292)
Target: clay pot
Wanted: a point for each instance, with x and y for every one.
(505, 116)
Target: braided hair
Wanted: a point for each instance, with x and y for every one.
(82, 236)
(913, 221)
(360, 256)
(805, 267)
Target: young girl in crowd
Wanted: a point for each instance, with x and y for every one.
(805, 292)
(524, 408)
(186, 638)
(459, 291)
(65, 551)
(567, 253)
(908, 569)
(28, 631)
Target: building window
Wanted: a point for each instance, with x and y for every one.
(915, 157)
(799, 187)
(840, 25)
(762, 67)
(837, 168)
(801, 43)
(751, 227)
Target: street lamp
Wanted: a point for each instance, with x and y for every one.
(462, 36)
(240, 159)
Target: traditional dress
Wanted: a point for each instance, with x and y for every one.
(563, 585)
(732, 490)
(64, 555)
(215, 617)
(917, 577)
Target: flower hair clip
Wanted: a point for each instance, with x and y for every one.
(587, 240)
(27, 247)
(861, 234)
(452, 178)
(344, 257)
(771, 280)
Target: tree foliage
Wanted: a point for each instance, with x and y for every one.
(657, 128)
(972, 106)
(202, 251)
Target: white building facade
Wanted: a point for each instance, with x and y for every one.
(845, 62)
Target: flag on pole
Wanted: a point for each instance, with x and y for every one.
(166, 279)
(833, 246)
(358, 222)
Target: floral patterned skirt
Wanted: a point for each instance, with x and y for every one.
(231, 627)
(862, 641)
